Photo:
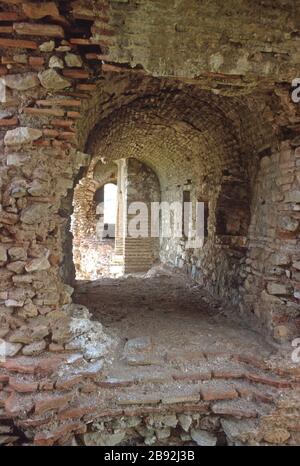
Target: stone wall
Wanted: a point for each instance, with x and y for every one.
(273, 254)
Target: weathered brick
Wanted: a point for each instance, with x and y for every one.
(76, 74)
(63, 123)
(75, 412)
(180, 398)
(54, 402)
(22, 365)
(211, 394)
(9, 121)
(6, 29)
(66, 383)
(22, 386)
(49, 438)
(252, 360)
(267, 380)
(9, 16)
(43, 111)
(18, 43)
(86, 87)
(36, 61)
(228, 373)
(31, 29)
(73, 114)
(59, 102)
(17, 406)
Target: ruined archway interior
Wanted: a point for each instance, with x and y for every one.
(114, 329)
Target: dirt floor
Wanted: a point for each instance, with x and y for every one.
(174, 318)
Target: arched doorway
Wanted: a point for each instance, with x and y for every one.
(111, 223)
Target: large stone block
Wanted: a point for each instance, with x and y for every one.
(31, 29)
(21, 135)
(35, 213)
(203, 438)
(38, 264)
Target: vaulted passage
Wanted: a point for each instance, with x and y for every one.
(176, 147)
(149, 222)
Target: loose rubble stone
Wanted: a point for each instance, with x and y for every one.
(38, 188)
(296, 265)
(47, 46)
(21, 58)
(17, 266)
(21, 82)
(139, 344)
(63, 48)
(277, 436)
(239, 430)
(280, 259)
(34, 214)
(281, 331)
(163, 433)
(17, 253)
(73, 61)
(56, 62)
(16, 159)
(103, 440)
(38, 264)
(5, 114)
(34, 348)
(185, 421)
(50, 79)
(203, 438)
(28, 310)
(37, 29)
(21, 135)
(169, 420)
(8, 350)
